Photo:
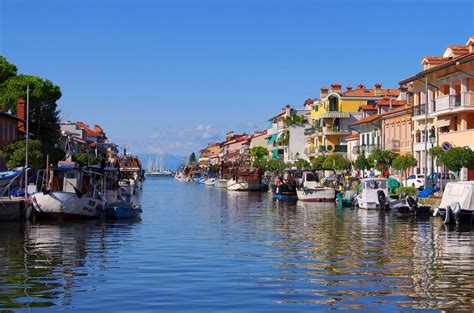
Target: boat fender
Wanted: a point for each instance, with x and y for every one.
(436, 211)
(456, 210)
(447, 218)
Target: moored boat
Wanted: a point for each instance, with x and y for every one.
(220, 183)
(311, 190)
(368, 198)
(457, 204)
(284, 187)
(69, 192)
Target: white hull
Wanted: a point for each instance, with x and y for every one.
(242, 186)
(367, 205)
(210, 182)
(316, 195)
(221, 183)
(58, 204)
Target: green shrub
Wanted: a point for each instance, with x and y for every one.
(409, 191)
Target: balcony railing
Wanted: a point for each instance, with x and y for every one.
(467, 98)
(392, 144)
(420, 110)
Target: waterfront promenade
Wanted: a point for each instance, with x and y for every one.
(199, 249)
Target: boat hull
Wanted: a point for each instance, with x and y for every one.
(316, 195)
(220, 183)
(122, 212)
(234, 185)
(462, 217)
(282, 192)
(66, 205)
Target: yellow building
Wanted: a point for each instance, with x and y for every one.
(335, 111)
(443, 104)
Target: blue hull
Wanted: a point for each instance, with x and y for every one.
(122, 213)
(285, 197)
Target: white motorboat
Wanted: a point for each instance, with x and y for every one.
(311, 190)
(220, 183)
(368, 198)
(457, 204)
(67, 191)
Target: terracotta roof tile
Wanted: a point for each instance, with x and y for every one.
(366, 120)
(359, 92)
(397, 110)
(385, 102)
(459, 48)
(368, 108)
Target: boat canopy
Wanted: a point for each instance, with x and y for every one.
(462, 192)
(10, 174)
(374, 183)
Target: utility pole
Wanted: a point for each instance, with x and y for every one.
(27, 137)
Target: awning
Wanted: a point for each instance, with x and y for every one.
(443, 122)
(275, 154)
(272, 139)
(333, 115)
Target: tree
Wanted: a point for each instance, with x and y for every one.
(361, 163)
(458, 157)
(384, 158)
(85, 159)
(14, 154)
(437, 152)
(302, 164)
(44, 116)
(276, 165)
(259, 152)
(7, 70)
(192, 158)
(403, 163)
(318, 162)
(336, 162)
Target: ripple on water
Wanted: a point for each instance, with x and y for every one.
(204, 249)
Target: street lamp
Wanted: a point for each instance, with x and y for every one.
(432, 141)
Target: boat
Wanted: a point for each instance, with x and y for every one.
(408, 206)
(220, 183)
(457, 203)
(311, 190)
(210, 182)
(157, 169)
(69, 192)
(7, 178)
(131, 174)
(345, 199)
(122, 210)
(368, 198)
(284, 187)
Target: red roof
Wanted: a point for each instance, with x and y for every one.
(368, 107)
(397, 110)
(385, 102)
(96, 132)
(366, 120)
(363, 92)
(280, 114)
(309, 102)
(352, 137)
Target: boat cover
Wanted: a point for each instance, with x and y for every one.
(10, 174)
(462, 192)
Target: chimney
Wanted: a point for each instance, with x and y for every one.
(20, 113)
(361, 86)
(229, 135)
(336, 88)
(287, 110)
(470, 44)
(378, 89)
(348, 88)
(324, 93)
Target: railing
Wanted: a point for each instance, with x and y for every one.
(392, 144)
(419, 110)
(340, 148)
(467, 98)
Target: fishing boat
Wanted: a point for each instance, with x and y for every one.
(119, 204)
(69, 192)
(245, 179)
(457, 204)
(131, 174)
(368, 198)
(311, 190)
(284, 187)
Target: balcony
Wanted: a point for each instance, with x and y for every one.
(454, 103)
(331, 130)
(393, 144)
(419, 111)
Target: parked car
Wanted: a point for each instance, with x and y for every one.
(440, 180)
(416, 180)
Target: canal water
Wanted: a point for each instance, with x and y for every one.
(199, 249)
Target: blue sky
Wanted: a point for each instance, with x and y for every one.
(174, 75)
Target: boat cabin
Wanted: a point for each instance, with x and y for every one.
(310, 180)
(370, 187)
(461, 192)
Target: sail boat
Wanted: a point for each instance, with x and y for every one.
(157, 169)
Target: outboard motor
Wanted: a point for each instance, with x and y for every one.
(383, 200)
(412, 203)
(417, 209)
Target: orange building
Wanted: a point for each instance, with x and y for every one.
(396, 130)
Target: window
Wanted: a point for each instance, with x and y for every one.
(411, 177)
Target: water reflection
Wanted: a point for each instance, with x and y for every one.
(41, 265)
(213, 250)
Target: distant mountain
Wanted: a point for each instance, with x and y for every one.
(172, 162)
